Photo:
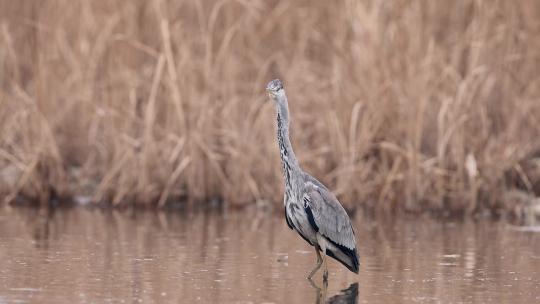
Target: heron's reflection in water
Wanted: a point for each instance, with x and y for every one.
(348, 295)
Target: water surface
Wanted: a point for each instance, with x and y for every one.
(103, 256)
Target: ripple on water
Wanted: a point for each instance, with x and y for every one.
(94, 257)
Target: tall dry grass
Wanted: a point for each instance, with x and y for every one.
(420, 105)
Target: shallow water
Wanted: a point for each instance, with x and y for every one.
(99, 256)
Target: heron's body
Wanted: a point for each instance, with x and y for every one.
(310, 208)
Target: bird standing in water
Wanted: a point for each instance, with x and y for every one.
(310, 208)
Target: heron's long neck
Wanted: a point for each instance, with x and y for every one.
(288, 159)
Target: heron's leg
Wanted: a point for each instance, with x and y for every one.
(324, 289)
(319, 263)
(318, 293)
(325, 273)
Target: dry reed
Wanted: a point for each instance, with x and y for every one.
(414, 105)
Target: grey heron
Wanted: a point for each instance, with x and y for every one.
(310, 208)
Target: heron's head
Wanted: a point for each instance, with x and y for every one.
(275, 90)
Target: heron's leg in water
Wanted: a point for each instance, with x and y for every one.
(320, 293)
(325, 273)
(319, 263)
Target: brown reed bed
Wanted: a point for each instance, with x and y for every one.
(412, 105)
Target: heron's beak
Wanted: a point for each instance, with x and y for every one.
(271, 93)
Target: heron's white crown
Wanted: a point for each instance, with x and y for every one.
(274, 85)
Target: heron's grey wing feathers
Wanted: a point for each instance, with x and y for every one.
(330, 218)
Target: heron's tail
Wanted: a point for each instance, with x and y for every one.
(348, 257)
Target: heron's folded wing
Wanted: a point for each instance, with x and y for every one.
(326, 213)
